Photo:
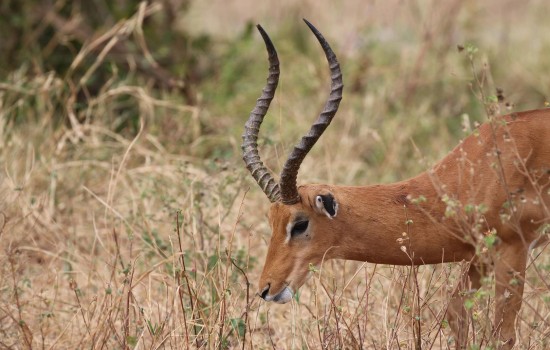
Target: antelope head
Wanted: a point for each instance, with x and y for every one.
(300, 217)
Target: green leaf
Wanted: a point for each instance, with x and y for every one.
(490, 240)
(212, 262)
(132, 341)
(238, 325)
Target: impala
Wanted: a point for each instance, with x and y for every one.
(501, 171)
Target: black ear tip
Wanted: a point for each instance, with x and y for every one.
(330, 204)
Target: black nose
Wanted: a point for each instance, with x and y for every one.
(264, 292)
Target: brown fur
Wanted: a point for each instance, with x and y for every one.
(372, 219)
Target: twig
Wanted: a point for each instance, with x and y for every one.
(180, 292)
(247, 297)
(26, 333)
(182, 260)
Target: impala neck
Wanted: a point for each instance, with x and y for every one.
(391, 224)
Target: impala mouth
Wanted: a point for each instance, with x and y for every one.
(282, 297)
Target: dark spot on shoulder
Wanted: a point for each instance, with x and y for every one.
(401, 199)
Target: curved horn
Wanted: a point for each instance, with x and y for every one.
(289, 190)
(250, 137)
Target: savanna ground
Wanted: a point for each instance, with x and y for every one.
(128, 220)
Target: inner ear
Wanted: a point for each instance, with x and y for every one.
(327, 204)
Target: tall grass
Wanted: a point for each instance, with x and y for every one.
(127, 219)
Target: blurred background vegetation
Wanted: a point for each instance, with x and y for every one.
(395, 56)
(116, 115)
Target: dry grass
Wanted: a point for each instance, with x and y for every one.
(149, 237)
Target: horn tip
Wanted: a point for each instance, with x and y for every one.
(261, 30)
(311, 26)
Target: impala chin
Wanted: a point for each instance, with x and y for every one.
(282, 297)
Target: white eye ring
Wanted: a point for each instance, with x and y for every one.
(319, 199)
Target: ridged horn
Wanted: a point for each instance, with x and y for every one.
(287, 184)
(250, 137)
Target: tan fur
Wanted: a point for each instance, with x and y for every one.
(371, 219)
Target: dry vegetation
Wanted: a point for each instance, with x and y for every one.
(126, 218)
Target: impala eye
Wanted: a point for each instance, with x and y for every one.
(299, 228)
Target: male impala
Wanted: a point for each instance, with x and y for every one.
(502, 170)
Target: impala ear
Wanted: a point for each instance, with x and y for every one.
(326, 204)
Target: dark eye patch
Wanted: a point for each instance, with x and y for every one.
(299, 228)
